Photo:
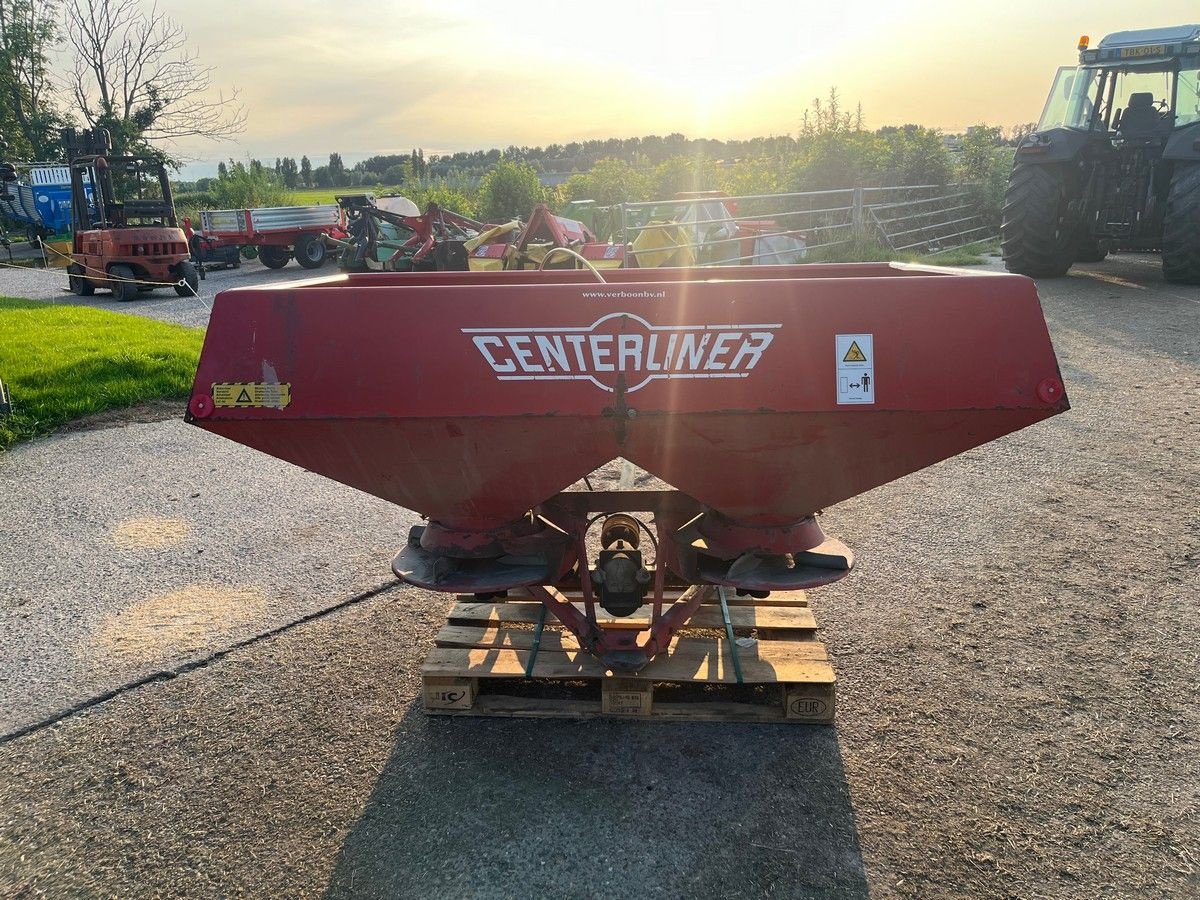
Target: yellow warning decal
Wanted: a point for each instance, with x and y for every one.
(854, 354)
(251, 394)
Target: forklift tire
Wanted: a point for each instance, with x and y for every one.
(310, 251)
(80, 286)
(191, 279)
(124, 288)
(1181, 228)
(1037, 236)
(273, 257)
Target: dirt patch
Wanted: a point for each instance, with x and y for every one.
(150, 533)
(151, 411)
(193, 618)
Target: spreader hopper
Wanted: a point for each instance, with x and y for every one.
(762, 395)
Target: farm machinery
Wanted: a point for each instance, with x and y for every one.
(389, 235)
(39, 202)
(126, 236)
(758, 395)
(1115, 160)
(693, 229)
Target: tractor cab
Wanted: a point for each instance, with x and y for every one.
(1119, 93)
(126, 234)
(1115, 160)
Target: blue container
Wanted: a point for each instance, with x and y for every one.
(42, 200)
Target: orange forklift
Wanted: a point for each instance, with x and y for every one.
(127, 238)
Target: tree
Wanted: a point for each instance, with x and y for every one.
(610, 181)
(399, 174)
(245, 186)
(306, 171)
(337, 170)
(508, 190)
(134, 75)
(28, 34)
(322, 177)
(289, 172)
(681, 174)
(222, 171)
(917, 156)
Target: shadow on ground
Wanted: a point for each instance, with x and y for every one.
(477, 807)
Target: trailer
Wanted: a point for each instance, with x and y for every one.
(277, 233)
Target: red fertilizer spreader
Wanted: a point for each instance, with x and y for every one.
(761, 394)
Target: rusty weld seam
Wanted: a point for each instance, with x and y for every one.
(193, 665)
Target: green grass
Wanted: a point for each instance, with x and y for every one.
(314, 196)
(64, 362)
(871, 251)
(969, 255)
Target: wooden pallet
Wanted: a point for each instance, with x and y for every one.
(478, 667)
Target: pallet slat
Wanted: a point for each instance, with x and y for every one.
(510, 613)
(502, 706)
(689, 659)
(491, 637)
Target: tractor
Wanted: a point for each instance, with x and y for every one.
(127, 238)
(1114, 163)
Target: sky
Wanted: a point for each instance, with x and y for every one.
(362, 78)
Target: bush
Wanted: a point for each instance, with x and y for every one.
(508, 191)
(189, 203)
(245, 187)
(752, 176)
(610, 181)
(683, 174)
(987, 164)
(445, 197)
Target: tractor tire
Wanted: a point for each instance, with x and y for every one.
(1181, 226)
(1037, 236)
(79, 285)
(310, 251)
(273, 257)
(123, 286)
(190, 279)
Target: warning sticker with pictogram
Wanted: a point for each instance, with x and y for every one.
(251, 394)
(855, 359)
(854, 354)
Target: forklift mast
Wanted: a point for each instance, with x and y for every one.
(89, 154)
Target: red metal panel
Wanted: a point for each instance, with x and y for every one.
(471, 397)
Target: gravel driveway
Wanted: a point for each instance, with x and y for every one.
(163, 304)
(1017, 656)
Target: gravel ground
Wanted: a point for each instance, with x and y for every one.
(163, 304)
(1017, 660)
(118, 530)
